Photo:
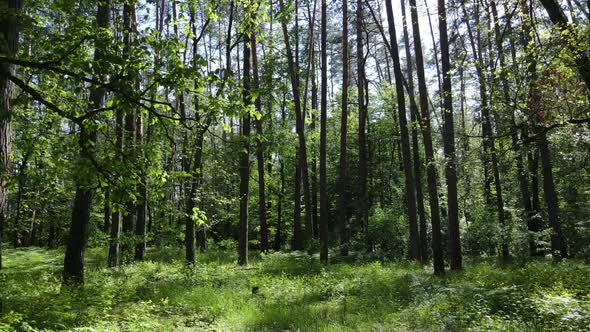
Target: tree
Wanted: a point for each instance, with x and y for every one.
(362, 197)
(431, 174)
(259, 152)
(245, 155)
(405, 141)
(415, 117)
(323, 140)
(342, 176)
(449, 141)
(78, 237)
(299, 124)
(9, 10)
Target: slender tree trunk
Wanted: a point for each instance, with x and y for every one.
(300, 126)
(405, 141)
(115, 230)
(415, 117)
(193, 199)
(259, 153)
(558, 243)
(129, 215)
(245, 157)
(449, 142)
(323, 141)
(297, 232)
(140, 228)
(431, 174)
(278, 242)
(78, 236)
(9, 47)
(490, 155)
(363, 213)
(107, 211)
(342, 167)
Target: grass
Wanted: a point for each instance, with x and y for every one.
(290, 291)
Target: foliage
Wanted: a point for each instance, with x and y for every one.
(290, 291)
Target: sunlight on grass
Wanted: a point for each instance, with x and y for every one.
(290, 291)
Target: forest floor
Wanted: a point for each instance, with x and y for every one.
(290, 291)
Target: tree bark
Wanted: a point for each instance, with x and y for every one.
(362, 213)
(431, 174)
(323, 141)
(449, 142)
(259, 153)
(78, 235)
(342, 167)
(8, 46)
(300, 126)
(245, 157)
(417, 162)
(405, 141)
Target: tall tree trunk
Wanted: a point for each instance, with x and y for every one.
(363, 213)
(9, 47)
(342, 176)
(490, 155)
(115, 230)
(449, 142)
(415, 117)
(558, 243)
(259, 153)
(245, 157)
(431, 174)
(300, 126)
(78, 236)
(278, 241)
(129, 215)
(140, 227)
(193, 198)
(523, 179)
(323, 141)
(405, 141)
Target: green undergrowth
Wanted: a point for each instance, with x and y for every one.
(290, 291)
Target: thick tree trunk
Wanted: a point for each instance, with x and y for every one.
(342, 167)
(78, 235)
(449, 142)
(405, 141)
(431, 174)
(9, 47)
(323, 141)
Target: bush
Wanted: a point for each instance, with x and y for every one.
(388, 231)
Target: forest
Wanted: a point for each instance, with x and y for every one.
(294, 165)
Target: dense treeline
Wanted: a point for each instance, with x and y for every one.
(408, 130)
